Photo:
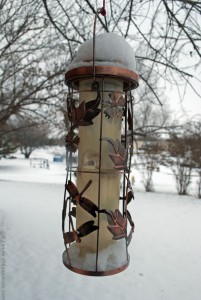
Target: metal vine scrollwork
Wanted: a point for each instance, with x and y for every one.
(80, 116)
(83, 115)
(86, 204)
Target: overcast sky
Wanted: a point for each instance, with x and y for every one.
(189, 107)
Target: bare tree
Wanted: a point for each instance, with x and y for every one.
(30, 76)
(150, 122)
(147, 161)
(193, 129)
(180, 160)
(30, 136)
(7, 145)
(164, 33)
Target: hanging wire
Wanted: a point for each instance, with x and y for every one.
(101, 11)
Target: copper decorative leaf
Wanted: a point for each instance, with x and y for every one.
(129, 184)
(78, 114)
(72, 141)
(117, 223)
(70, 237)
(86, 228)
(115, 105)
(118, 154)
(73, 212)
(77, 198)
(85, 112)
(89, 206)
(129, 197)
(73, 191)
(92, 109)
(83, 230)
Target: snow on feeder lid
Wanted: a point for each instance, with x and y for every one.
(113, 57)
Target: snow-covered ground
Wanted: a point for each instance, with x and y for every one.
(165, 250)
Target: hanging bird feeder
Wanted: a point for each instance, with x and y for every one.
(96, 223)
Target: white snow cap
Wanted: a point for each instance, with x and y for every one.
(111, 50)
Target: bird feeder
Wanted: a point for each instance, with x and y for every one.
(96, 223)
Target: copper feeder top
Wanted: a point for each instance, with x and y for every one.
(111, 57)
(130, 78)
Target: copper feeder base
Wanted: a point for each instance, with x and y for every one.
(92, 273)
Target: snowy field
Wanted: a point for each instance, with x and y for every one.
(165, 250)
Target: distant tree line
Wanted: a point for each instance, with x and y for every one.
(180, 152)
